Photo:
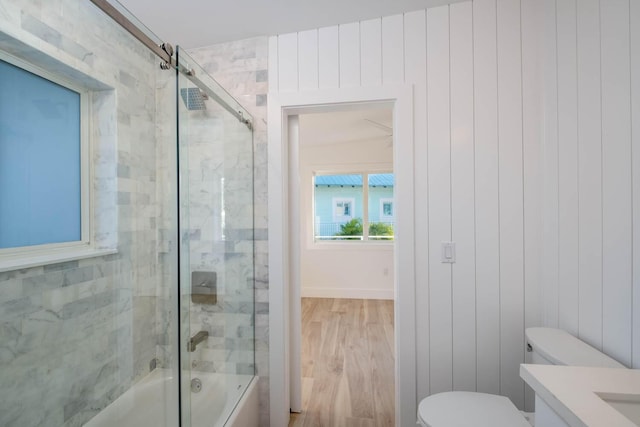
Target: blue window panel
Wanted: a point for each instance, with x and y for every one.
(40, 182)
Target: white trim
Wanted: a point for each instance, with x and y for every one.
(86, 170)
(342, 245)
(365, 207)
(295, 307)
(41, 72)
(280, 106)
(30, 256)
(68, 254)
(359, 293)
(363, 169)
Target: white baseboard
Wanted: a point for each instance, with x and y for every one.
(350, 293)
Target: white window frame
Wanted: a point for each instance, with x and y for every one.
(384, 217)
(364, 172)
(28, 256)
(342, 218)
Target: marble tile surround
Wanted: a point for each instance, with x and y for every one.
(241, 68)
(219, 238)
(75, 335)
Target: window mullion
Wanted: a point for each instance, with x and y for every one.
(86, 171)
(365, 206)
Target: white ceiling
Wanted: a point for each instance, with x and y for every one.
(366, 125)
(197, 23)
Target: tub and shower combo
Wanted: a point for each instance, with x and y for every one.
(153, 322)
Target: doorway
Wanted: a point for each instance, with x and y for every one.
(283, 109)
(342, 267)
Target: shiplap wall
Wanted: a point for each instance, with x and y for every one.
(592, 173)
(477, 78)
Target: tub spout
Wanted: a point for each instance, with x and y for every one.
(197, 339)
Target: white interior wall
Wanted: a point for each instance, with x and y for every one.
(526, 118)
(341, 269)
(592, 169)
(477, 161)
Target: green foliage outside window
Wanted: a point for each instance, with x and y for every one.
(380, 229)
(351, 228)
(354, 228)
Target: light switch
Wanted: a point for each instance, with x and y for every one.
(449, 252)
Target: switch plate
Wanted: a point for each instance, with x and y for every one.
(448, 252)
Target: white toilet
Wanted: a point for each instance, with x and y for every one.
(470, 409)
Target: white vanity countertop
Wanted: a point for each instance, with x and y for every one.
(572, 392)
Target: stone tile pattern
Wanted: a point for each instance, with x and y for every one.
(166, 174)
(76, 335)
(219, 234)
(241, 68)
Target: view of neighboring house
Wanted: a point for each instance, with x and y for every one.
(340, 199)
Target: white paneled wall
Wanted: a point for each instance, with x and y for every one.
(616, 179)
(462, 207)
(532, 134)
(510, 171)
(568, 252)
(478, 155)
(439, 199)
(591, 173)
(486, 197)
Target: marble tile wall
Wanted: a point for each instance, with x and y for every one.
(241, 68)
(219, 185)
(166, 175)
(75, 335)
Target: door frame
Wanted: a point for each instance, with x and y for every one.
(280, 107)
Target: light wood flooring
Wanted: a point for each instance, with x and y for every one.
(347, 363)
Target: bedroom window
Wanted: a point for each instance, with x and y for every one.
(347, 210)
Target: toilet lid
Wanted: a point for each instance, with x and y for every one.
(562, 348)
(464, 409)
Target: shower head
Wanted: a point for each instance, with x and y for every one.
(193, 98)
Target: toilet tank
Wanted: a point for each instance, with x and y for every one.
(551, 346)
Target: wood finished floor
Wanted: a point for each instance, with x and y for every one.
(347, 363)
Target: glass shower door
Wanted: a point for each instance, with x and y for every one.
(216, 249)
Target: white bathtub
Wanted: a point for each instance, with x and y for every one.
(232, 400)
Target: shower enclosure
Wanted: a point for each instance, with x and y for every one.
(150, 321)
(216, 257)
